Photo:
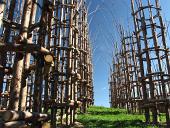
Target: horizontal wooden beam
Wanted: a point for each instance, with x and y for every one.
(29, 48)
(9, 70)
(23, 115)
(6, 70)
(13, 124)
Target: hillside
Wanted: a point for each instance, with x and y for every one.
(101, 117)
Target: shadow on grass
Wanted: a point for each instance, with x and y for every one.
(113, 124)
(105, 113)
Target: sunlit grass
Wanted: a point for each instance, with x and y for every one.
(101, 117)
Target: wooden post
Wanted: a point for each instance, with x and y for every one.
(69, 66)
(2, 7)
(19, 61)
(23, 93)
(37, 102)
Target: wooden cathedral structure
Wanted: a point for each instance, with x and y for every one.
(140, 76)
(45, 62)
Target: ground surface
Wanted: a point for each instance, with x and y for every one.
(101, 117)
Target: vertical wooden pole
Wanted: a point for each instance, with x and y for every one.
(2, 7)
(19, 60)
(37, 102)
(23, 93)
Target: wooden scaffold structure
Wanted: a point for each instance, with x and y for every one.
(140, 78)
(45, 62)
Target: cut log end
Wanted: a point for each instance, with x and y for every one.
(8, 115)
(48, 58)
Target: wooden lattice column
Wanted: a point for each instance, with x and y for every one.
(2, 12)
(126, 68)
(83, 57)
(122, 81)
(53, 66)
(64, 75)
(136, 92)
(113, 86)
(150, 34)
(130, 71)
(6, 37)
(118, 73)
(147, 116)
(90, 77)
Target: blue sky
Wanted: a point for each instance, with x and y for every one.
(104, 15)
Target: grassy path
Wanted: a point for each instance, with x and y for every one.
(101, 117)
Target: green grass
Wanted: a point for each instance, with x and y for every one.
(101, 117)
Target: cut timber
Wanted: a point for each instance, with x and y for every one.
(14, 124)
(46, 125)
(19, 115)
(48, 58)
(71, 103)
(78, 76)
(2, 112)
(78, 103)
(49, 62)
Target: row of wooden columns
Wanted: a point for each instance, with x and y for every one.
(45, 61)
(140, 78)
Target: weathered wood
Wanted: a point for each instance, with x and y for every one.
(2, 113)
(29, 48)
(44, 60)
(9, 116)
(24, 87)
(147, 115)
(37, 102)
(152, 60)
(9, 70)
(5, 39)
(2, 6)
(19, 61)
(14, 124)
(48, 58)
